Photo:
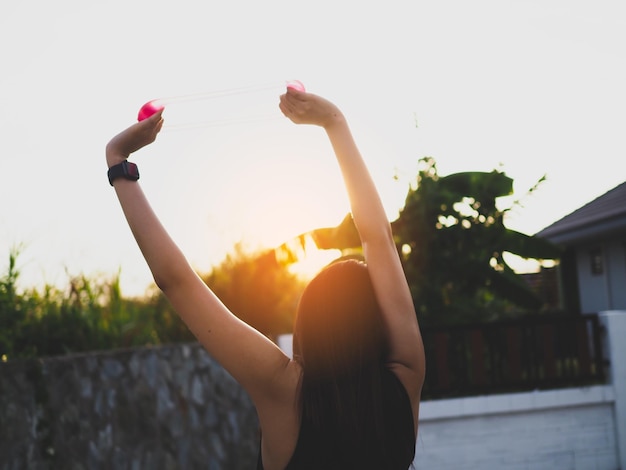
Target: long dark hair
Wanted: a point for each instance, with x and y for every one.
(347, 395)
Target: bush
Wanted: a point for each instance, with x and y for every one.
(92, 314)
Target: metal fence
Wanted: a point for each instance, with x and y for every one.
(540, 352)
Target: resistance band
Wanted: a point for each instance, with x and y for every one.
(159, 104)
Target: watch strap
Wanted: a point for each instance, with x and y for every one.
(125, 169)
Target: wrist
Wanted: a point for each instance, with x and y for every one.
(336, 125)
(335, 119)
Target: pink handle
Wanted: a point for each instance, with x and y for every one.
(149, 109)
(296, 85)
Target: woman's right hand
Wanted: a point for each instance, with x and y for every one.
(307, 108)
(133, 138)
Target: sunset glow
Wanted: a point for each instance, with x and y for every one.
(313, 261)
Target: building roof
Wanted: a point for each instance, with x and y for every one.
(604, 216)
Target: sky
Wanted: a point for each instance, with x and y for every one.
(532, 88)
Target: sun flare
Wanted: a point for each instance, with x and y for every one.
(313, 261)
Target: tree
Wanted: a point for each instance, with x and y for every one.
(451, 237)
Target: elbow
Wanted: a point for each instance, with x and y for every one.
(162, 282)
(172, 279)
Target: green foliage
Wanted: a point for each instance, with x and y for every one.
(93, 314)
(11, 311)
(452, 239)
(89, 315)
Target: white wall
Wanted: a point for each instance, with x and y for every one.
(614, 323)
(558, 429)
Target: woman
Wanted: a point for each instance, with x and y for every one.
(350, 396)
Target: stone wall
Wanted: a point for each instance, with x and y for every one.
(169, 407)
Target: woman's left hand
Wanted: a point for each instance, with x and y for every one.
(133, 138)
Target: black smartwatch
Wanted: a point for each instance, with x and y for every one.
(125, 169)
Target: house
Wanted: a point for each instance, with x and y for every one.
(593, 266)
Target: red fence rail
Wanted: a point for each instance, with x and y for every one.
(540, 352)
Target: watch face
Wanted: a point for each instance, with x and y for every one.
(132, 170)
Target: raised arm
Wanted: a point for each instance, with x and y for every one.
(392, 291)
(252, 359)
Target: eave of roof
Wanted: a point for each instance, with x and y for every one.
(603, 216)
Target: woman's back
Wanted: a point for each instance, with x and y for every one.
(382, 437)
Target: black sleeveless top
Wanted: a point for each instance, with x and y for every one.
(314, 453)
